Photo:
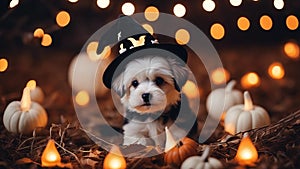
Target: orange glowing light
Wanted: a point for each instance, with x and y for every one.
(246, 153)
(151, 13)
(292, 50)
(31, 84)
(63, 18)
(182, 36)
(91, 51)
(82, 98)
(179, 10)
(114, 159)
(148, 28)
(46, 40)
(276, 70)
(217, 31)
(266, 22)
(250, 80)
(243, 23)
(38, 33)
(220, 76)
(128, 8)
(50, 156)
(3, 64)
(292, 22)
(26, 100)
(190, 89)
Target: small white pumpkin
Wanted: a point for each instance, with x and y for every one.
(245, 116)
(220, 100)
(24, 116)
(202, 162)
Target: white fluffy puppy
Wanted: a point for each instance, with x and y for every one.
(150, 92)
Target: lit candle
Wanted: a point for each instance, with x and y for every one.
(246, 153)
(36, 93)
(114, 159)
(50, 156)
(276, 70)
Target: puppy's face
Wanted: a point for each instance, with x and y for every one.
(150, 84)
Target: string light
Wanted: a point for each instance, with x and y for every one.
(292, 22)
(243, 23)
(278, 4)
(208, 5)
(235, 2)
(103, 3)
(46, 40)
(148, 28)
(128, 8)
(217, 31)
(73, 1)
(82, 98)
(13, 3)
(266, 22)
(250, 79)
(220, 76)
(38, 33)
(182, 36)
(63, 18)
(151, 13)
(291, 49)
(3, 65)
(179, 10)
(276, 70)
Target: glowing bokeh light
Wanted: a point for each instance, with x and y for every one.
(179, 10)
(208, 5)
(243, 23)
(128, 8)
(148, 28)
(266, 22)
(276, 70)
(46, 40)
(217, 31)
(182, 36)
(3, 65)
(103, 3)
(278, 4)
(13, 3)
(82, 98)
(151, 13)
(220, 76)
(235, 2)
(291, 49)
(73, 1)
(38, 33)
(63, 18)
(249, 80)
(292, 22)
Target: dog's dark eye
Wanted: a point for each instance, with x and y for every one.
(135, 83)
(159, 81)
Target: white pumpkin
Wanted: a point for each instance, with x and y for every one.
(202, 162)
(245, 116)
(220, 100)
(24, 116)
(86, 74)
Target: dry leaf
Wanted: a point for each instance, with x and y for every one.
(24, 160)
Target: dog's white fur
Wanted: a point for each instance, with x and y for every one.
(145, 70)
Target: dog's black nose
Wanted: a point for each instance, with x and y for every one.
(146, 97)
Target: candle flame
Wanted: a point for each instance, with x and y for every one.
(50, 156)
(248, 104)
(114, 159)
(26, 100)
(246, 153)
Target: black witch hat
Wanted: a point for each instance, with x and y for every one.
(132, 37)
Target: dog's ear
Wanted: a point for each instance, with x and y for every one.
(118, 85)
(180, 73)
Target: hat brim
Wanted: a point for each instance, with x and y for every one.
(109, 73)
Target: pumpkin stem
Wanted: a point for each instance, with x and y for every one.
(205, 154)
(230, 86)
(248, 105)
(26, 100)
